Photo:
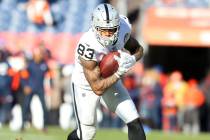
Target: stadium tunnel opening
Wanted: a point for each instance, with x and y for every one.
(193, 62)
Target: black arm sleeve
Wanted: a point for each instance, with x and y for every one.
(132, 45)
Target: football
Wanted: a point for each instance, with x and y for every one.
(108, 65)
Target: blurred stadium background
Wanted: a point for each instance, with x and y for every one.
(170, 85)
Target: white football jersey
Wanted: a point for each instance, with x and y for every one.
(89, 48)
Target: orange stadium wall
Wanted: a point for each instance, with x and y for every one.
(179, 26)
(61, 45)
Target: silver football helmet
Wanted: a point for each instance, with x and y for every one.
(105, 16)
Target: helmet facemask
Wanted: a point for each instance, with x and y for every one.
(107, 40)
(105, 17)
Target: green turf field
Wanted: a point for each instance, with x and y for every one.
(55, 133)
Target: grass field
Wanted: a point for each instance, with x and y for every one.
(55, 133)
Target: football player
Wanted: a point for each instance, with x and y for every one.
(109, 32)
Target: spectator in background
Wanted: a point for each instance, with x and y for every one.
(39, 12)
(37, 68)
(17, 73)
(5, 90)
(205, 87)
(193, 99)
(176, 88)
(169, 111)
(150, 98)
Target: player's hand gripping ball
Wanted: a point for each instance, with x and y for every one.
(108, 65)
